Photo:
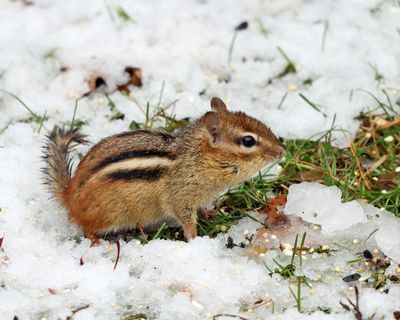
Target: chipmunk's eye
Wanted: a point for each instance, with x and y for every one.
(248, 141)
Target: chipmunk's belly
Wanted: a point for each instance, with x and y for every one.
(103, 206)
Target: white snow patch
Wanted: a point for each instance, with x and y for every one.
(186, 45)
(322, 205)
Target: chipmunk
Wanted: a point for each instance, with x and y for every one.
(138, 178)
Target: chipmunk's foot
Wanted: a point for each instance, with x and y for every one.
(207, 214)
(94, 239)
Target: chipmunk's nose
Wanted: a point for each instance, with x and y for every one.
(281, 151)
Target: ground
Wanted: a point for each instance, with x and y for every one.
(324, 75)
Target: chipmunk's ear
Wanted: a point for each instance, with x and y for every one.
(211, 122)
(218, 105)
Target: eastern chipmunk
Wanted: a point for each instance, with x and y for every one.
(140, 177)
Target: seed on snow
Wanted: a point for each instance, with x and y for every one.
(398, 270)
(287, 245)
(198, 305)
(355, 241)
(315, 227)
(337, 269)
(287, 252)
(325, 247)
(245, 232)
(376, 251)
(389, 139)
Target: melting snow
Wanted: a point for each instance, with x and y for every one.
(333, 45)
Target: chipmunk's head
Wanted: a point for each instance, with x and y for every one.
(240, 144)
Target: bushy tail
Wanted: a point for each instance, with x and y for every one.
(58, 160)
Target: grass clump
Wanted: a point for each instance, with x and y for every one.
(368, 170)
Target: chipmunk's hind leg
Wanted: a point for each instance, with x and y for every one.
(187, 218)
(93, 237)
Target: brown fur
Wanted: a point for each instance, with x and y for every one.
(195, 165)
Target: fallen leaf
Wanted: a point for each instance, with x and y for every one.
(52, 291)
(387, 181)
(135, 78)
(271, 210)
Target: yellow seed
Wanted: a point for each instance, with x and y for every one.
(223, 228)
(245, 232)
(265, 234)
(355, 241)
(328, 278)
(273, 237)
(315, 228)
(325, 247)
(366, 263)
(376, 251)
(311, 250)
(375, 178)
(287, 246)
(398, 270)
(383, 191)
(337, 269)
(266, 240)
(368, 135)
(261, 255)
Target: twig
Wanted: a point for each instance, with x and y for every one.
(360, 169)
(355, 306)
(77, 310)
(228, 315)
(144, 236)
(118, 254)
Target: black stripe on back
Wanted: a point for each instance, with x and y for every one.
(133, 154)
(138, 174)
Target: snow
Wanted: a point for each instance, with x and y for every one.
(322, 205)
(185, 45)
